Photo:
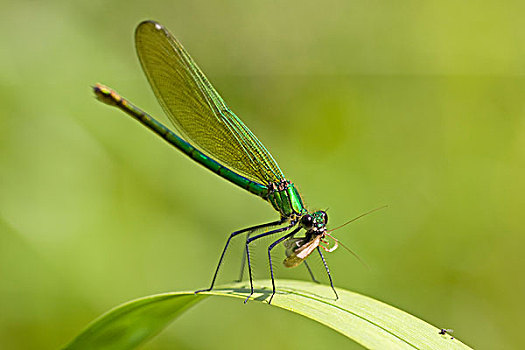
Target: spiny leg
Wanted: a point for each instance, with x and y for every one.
(270, 224)
(328, 272)
(310, 272)
(243, 260)
(251, 239)
(270, 257)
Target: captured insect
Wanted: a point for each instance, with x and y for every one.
(222, 143)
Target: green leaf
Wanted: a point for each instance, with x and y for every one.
(369, 322)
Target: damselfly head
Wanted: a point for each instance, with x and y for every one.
(314, 223)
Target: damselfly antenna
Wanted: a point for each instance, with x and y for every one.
(338, 242)
(358, 217)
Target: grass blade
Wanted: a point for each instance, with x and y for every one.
(369, 322)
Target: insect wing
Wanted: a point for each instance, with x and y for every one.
(196, 109)
(302, 252)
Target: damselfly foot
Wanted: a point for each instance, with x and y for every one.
(249, 296)
(271, 298)
(202, 290)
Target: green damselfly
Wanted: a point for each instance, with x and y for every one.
(224, 145)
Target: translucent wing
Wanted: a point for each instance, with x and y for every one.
(196, 109)
(298, 249)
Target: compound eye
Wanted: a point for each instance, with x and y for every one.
(324, 216)
(307, 221)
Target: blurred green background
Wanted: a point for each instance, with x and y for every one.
(418, 105)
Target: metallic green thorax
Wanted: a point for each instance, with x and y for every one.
(285, 198)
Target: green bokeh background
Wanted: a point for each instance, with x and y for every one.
(418, 105)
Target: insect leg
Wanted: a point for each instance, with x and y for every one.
(270, 224)
(243, 259)
(248, 235)
(310, 272)
(251, 239)
(270, 257)
(328, 272)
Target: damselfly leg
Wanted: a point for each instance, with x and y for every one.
(270, 257)
(251, 239)
(328, 272)
(236, 233)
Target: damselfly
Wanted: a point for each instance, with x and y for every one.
(221, 142)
